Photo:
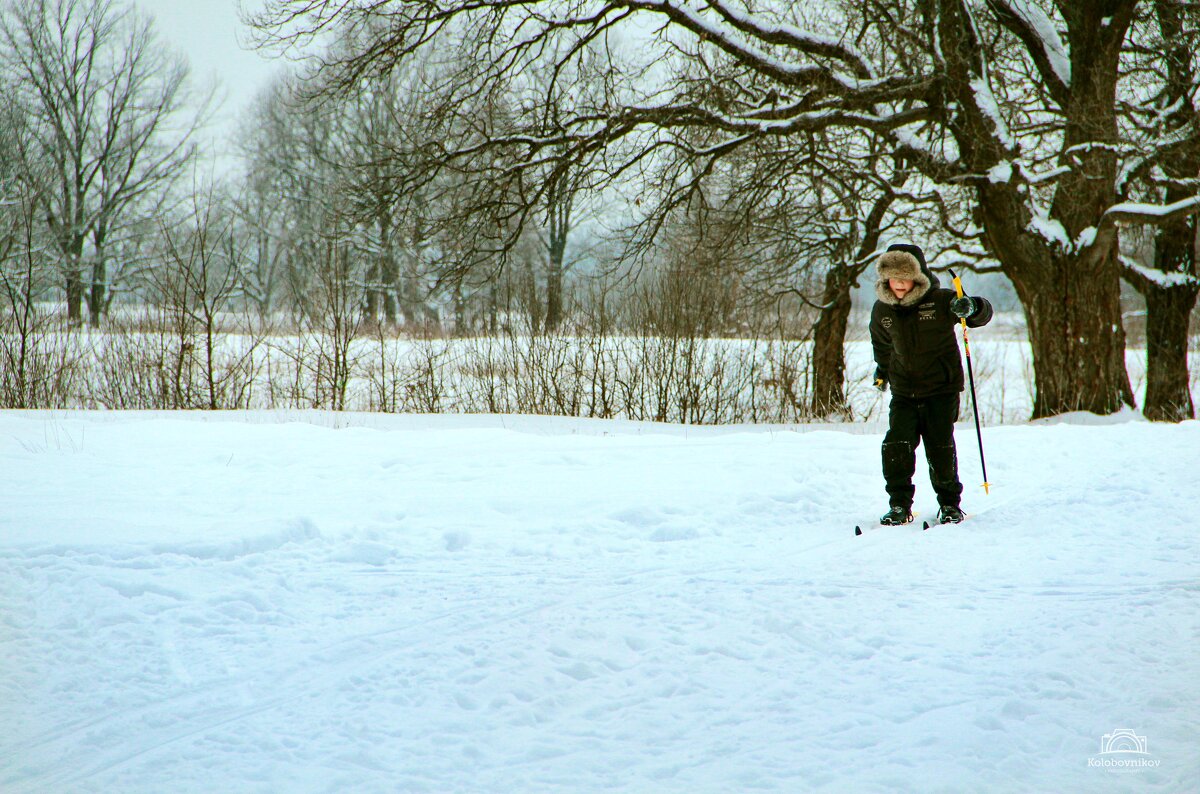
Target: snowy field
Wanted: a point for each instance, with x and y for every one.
(313, 602)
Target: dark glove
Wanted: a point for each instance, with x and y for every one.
(964, 307)
(880, 380)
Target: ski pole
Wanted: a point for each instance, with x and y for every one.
(971, 375)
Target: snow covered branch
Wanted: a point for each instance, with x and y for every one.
(1137, 272)
(746, 40)
(975, 117)
(1133, 213)
(1037, 32)
(1159, 150)
(795, 38)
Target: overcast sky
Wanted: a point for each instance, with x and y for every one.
(211, 35)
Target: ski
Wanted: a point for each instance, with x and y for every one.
(859, 528)
(936, 523)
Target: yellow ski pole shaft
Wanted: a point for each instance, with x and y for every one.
(971, 375)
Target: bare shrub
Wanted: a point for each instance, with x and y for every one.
(422, 384)
(186, 350)
(152, 362)
(315, 366)
(41, 360)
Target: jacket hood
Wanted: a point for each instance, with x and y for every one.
(906, 261)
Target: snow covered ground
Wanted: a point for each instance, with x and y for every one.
(310, 602)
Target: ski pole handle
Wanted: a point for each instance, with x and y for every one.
(963, 320)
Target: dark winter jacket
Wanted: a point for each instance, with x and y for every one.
(916, 350)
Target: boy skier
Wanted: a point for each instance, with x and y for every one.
(916, 351)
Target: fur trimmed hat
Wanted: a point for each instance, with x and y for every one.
(904, 262)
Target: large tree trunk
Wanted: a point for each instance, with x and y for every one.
(410, 291)
(533, 305)
(460, 310)
(1170, 299)
(388, 271)
(391, 287)
(1168, 388)
(74, 296)
(554, 285)
(372, 297)
(98, 294)
(558, 232)
(829, 337)
(1078, 353)
(1072, 305)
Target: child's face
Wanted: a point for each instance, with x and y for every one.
(900, 286)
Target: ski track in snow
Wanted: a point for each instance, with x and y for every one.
(211, 604)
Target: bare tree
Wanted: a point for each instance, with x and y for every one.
(292, 150)
(23, 278)
(107, 102)
(259, 215)
(394, 229)
(334, 316)
(1165, 119)
(196, 286)
(375, 121)
(314, 177)
(569, 198)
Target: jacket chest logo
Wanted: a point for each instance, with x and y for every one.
(927, 311)
(886, 322)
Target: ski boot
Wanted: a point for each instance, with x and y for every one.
(950, 514)
(896, 516)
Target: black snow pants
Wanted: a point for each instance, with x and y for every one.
(911, 421)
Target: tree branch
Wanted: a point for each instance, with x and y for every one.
(1134, 214)
(1036, 31)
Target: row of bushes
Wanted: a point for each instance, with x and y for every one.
(143, 364)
